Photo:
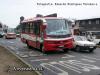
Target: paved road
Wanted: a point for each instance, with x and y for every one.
(57, 63)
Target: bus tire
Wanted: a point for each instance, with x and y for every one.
(66, 50)
(28, 45)
(42, 49)
(90, 51)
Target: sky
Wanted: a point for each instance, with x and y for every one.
(11, 10)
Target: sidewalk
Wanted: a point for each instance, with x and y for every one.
(8, 61)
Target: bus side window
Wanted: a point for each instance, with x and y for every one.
(27, 27)
(37, 27)
(23, 27)
(31, 27)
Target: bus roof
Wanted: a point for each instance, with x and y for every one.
(40, 18)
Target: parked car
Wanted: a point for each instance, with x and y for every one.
(10, 35)
(82, 44)
(18, 35)
(2, 34)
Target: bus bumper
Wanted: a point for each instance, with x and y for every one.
(57, 47)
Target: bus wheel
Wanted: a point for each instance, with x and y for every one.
(90, 51)
(65, 50)
(43, 51)
(28, 45)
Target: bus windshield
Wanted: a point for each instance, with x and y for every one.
(57, 27)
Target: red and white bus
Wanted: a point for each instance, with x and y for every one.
(47, 34)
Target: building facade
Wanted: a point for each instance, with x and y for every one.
(88, 24)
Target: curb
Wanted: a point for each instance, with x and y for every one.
(21, 59)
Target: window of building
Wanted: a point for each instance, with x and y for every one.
(97, 21)
(89, 22)
(83, 22)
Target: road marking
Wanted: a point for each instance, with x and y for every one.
(66, 66)
(33, 54)
(17, 48)
(91, 57)
(39, 60)
(88, 60)
(11, 47)
(62, 72)
(23, 55)
(73, 65)
(10, 42)
(86, 67)
(68, 56)
(76, 67)
(18, 53)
